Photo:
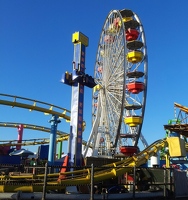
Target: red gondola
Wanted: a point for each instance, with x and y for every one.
(135, 87)
(128, 150)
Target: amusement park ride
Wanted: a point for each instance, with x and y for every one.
(118, 103)
(119, 98)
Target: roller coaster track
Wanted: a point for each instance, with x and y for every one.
(46, 108)
(40, 106)
(182, 108)
(62, 135)
(31, 104)
(80, 177)
(31, 126)
(30, 142)
(182, 126)
(76, 177)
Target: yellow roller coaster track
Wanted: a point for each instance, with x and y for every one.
(62, 135)
(181, 128)
(46, 108)
(79, 177)
(30, 126)
(30, 142)
(182, 108)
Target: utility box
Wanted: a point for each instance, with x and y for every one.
(176, 147)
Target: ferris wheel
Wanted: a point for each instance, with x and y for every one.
(120, 72)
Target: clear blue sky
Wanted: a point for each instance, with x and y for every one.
(36, 48)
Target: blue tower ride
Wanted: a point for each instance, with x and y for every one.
(77, 80)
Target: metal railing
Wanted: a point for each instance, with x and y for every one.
(46, 179)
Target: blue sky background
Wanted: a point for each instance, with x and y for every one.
(36, 49)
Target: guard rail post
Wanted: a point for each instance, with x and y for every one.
(92, 181)
(165, 170)
(45, 182)
(134, 182)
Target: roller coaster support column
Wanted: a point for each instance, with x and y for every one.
(60, 147)
(52, 146)
(77, 79)
(20, 135)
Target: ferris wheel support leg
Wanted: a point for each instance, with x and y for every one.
(52, 145)
(93, 131)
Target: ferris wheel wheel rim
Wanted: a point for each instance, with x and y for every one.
(125, 50)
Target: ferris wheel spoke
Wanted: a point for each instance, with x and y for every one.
(116, 77)
(114, 105)
(121, 76)
(134, 100)
(115, 97)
